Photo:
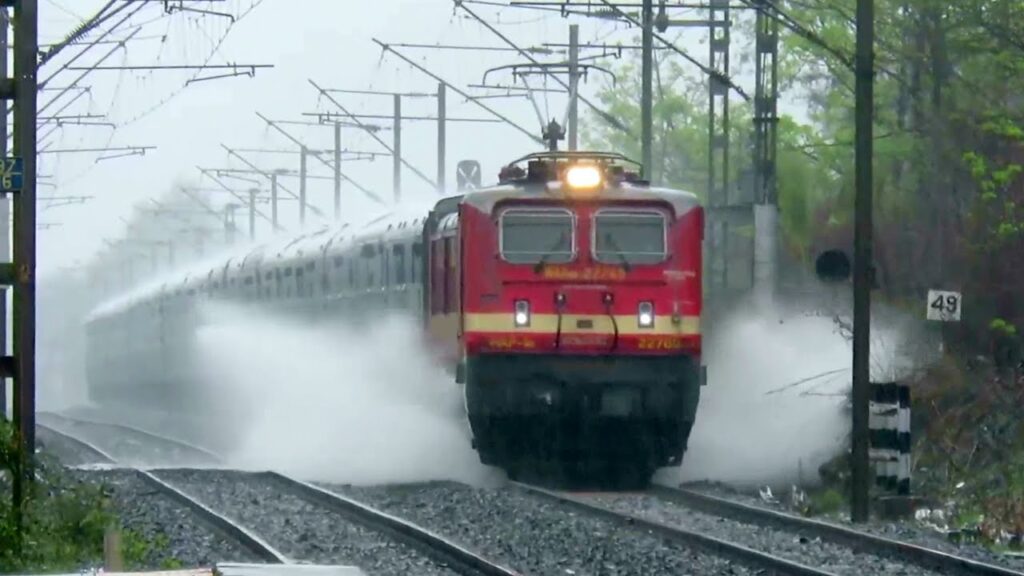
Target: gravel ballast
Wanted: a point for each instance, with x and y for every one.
(908, 531)
(154, 516)
(533, 535)
(299, 530)
(810, 552)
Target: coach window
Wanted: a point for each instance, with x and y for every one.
(629, 237)
(399, 263)
(530, 236)
(416, 256)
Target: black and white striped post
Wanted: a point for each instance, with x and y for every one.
(889, 424)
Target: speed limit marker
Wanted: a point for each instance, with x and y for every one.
(944, 305)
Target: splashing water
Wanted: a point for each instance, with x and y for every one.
(337, 405)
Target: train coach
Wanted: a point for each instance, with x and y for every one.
(565, 299)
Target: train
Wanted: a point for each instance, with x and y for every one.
(565, 300)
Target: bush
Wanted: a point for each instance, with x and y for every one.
(64, 519)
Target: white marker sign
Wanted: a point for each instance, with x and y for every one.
(944, 306)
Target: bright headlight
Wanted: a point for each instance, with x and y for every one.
(645, 314)
(522, 313)
(583, 177)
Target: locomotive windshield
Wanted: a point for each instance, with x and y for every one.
(533, 236)
(629, 237)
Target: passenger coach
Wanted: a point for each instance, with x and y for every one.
(566, 299)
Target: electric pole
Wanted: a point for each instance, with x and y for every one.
(442, 138)
(22, 272)
(302, 186)
(337, 170)
(5, 212)
(647, 88)
(863, 268)
(397, 149)
(252, 213)
(574, 79)
(273, 201)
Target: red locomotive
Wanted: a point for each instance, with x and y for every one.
(570, 295)
(566, 298)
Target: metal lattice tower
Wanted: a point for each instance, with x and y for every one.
(718, 105)
(765, 190)
(766, 105)
(718, 140)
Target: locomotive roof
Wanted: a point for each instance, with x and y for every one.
(486, 198)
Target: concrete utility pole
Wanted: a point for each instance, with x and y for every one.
(22, 272)
(647, 88)
(229, 224)
(253, 192)
(397, 149)
(574, 81)
(442, 137)
(302, 187)
(5, 212)
(863, 268)
(337, 170)
(273, 201)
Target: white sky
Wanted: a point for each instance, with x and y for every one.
(329, 41)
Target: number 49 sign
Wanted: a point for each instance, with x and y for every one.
(944, 306)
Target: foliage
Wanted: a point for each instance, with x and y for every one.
(973, 420)
(948, 147)
(64, 520)
(948, 194)
(824, 502)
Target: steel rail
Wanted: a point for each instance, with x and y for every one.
(854, 539)
(723, 548)
(433, 545)
(215, 458)
(232, 530)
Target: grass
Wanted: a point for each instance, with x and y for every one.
(64, 521)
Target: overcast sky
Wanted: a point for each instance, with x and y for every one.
(329, 41)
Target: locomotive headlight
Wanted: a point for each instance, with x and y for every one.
(522, 313)
(583, 177)
(645, 314)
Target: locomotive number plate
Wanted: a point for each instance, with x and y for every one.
(660, 343)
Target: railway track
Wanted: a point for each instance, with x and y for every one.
(863, 542)
(297, 521)
(225, 526)
(132, 445)
(302, 521)
(756, 559)
(777, 541)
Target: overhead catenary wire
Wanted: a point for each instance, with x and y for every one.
(268, 176)
(604, 115)
(460, 92)
(85, 50)
(372, 134)
(372, 195)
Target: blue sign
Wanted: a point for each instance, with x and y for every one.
(13, 175)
